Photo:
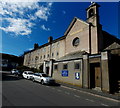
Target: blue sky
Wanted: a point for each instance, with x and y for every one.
(24, 24)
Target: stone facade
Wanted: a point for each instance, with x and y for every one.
(81, 57)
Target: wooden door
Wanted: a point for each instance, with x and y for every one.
(97, 77)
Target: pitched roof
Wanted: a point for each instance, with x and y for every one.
(72, 23)
(74, 55)
(115, 45)
(46, 44)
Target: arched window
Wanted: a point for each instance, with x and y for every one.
(91, 13)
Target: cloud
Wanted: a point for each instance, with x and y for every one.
(29, 49)
(18, 26)
(64, 12)
(18, 16)
(42, 13)
(45, 28)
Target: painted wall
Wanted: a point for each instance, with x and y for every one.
(74, 75)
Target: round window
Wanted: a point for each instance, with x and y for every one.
(76, 41)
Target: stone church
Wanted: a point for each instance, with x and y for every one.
(86, 56)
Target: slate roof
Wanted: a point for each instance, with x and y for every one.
(74, 55)
(113, 46)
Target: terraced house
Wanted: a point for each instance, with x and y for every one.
(85, 56)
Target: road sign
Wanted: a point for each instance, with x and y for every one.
(65, 73)
(77, 75)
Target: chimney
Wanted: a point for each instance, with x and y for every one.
(50, 39)
(36, 46)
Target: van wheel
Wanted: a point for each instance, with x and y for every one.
(42, 82)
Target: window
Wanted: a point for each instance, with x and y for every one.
(77, 66)
(36, 74)
(65, 66)
(52, 54)
(53, 46)
(44, 56)
(57, 44)
(76, 41)
(41, 57)
(48, 55)
(55, 67)
(91, 13)
(36, 58)
(57, 53)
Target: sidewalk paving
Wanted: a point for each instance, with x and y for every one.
(95, 92)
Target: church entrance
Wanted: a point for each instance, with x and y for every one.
(95, 75)
(47, 70)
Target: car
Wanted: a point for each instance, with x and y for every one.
(43, 78)
(28, 74)
(14, 71)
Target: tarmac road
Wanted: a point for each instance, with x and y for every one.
(17, 91)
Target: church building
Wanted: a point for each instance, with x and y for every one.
(86, 56)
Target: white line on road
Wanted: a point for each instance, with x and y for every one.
(67, 93)
(90, 100)
(47, 86)
(104, 104)
(93, 94)
(77, 96)
(68, 88)
(59, 90)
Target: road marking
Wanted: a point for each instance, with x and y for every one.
(67, 93)
(47, 86)
(68, 88)
(59, 90)
(90, 100)
(104, 104)
(77, 96)
(92, 94)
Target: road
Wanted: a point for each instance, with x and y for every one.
(21, 92)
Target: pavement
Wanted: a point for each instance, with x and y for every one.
(97, 93)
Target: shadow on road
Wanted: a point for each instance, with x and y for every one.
(55, 85)
(9, 77)
(52, 84)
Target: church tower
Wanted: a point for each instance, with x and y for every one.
(93, 14)
(96, 36)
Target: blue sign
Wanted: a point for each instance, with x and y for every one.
(77, 75)
(65, 73)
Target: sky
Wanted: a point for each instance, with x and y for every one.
(24, 23)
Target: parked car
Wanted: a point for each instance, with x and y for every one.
(16, 72)
(43, 78)
(28, 74)
(13, 71)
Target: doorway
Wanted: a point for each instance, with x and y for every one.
(95, 75)
(47, 70)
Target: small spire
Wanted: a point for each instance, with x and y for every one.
(92, 2)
